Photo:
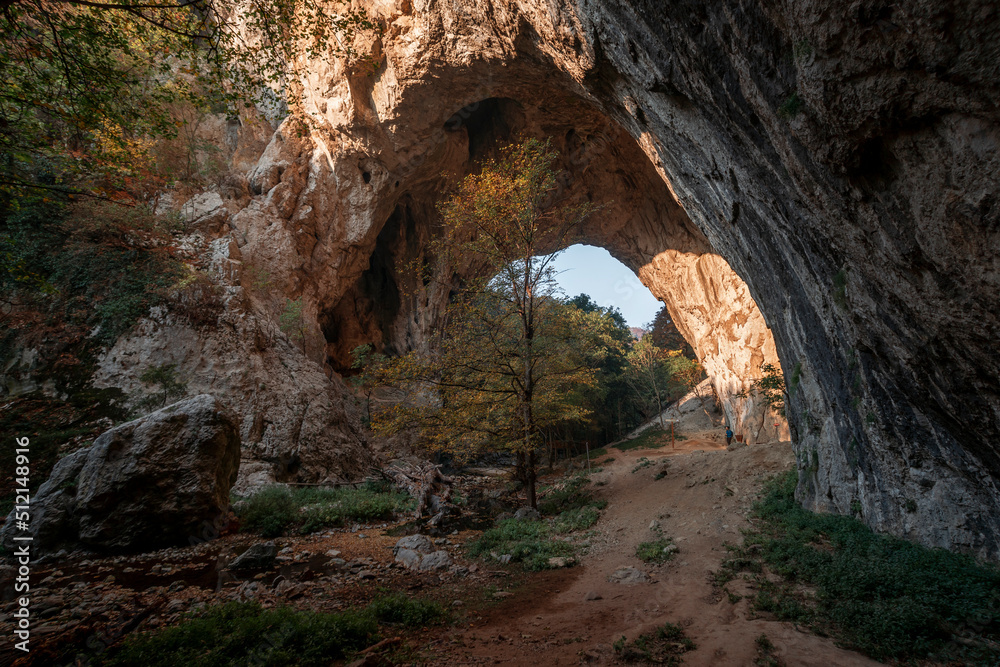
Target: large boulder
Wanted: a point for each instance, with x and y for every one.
(160, 480)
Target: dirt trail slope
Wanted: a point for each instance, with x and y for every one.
(700, 503)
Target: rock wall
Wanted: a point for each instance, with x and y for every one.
(799, 182)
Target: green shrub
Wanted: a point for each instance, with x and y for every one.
(653, 437)
(664, 646)
(655, 551)
(887, 597)
(334, 507)
(268, 511)
(569, 496)
(400, 609)
(244, 633)
(527, 542)
(791, 106)
(576, 519)
(275, 509)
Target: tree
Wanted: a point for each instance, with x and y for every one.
(82, 82)
(168, 385)
(612, 402)
(368, 364)
(665, 334)
(648, 372)
(770, 387)
(512, 353)
(658, 375)
(292, 322)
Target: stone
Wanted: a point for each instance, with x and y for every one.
(418, 552)
(561, 561)
(409, 558)
(248, 590)
(527, 513)
(628, 576)
(419, 543)
(157, 481)
(439, 560)
(260, 556)
(592, 595)
(205, 209)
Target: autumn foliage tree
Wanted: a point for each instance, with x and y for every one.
(660, 376)
(512, 353)
(84, 82)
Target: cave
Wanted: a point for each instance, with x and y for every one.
(776, 221)
(802, 187)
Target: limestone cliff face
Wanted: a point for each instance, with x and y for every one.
(798, 182)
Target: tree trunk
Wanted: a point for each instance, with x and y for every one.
(530, 470)
(659, 404)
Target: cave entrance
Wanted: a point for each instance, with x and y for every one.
(639, 221)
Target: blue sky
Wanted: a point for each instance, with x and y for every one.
(593, 271)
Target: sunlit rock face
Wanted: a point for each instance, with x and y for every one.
(842, 163)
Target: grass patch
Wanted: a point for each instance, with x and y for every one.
(594, 453)
(576, 519)
(653, 437)
(765, 650)
(569, 495)
(884, 596)
(244, 633)
(642, 463)
(399, 609)
(527, 542)
(656, 551)
(275, 509)
(664, 646)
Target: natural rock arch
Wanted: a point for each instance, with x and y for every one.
(844, 164)
(638, 221)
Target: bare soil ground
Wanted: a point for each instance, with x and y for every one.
(501, 614)
(701, 502)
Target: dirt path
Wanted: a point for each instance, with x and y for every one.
(701, 503)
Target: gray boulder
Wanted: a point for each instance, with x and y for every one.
(417, 552)
(528, 513)
(160, 480)
(438, 560)
(420, 543)
(258, 557)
